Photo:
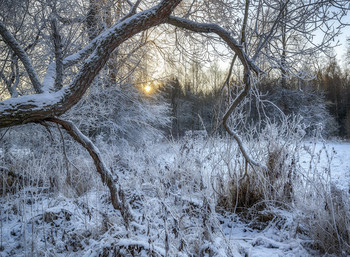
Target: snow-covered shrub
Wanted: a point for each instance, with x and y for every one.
(23, 149)
(311, 106)
(172, 208)
(121, 113)
(255, 191)
(324, 207)
(237, 190)
(47, 158)
(328, 222)
(272, 102)
(319, 209)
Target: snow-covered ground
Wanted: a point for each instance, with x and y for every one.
(336, 157)
(35, 222)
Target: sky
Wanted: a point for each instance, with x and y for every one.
(341, 49)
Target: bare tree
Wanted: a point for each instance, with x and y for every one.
(68, 77)
(50, 102)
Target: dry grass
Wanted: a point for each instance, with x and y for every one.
(327, 221)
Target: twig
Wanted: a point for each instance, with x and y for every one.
(4, 133)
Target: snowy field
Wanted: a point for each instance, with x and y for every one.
(336, 157)
(37, 222)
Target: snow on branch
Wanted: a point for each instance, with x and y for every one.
(2, 168)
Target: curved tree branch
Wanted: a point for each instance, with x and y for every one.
(247, 63)
(95, 154)
(222, 33)
(106, 175)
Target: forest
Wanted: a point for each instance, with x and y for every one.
(174, 128)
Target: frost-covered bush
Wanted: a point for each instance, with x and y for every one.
(324, 207)
(327, 220)
(319, 210)
(47, 158)
(121, 113)
(309, 105)
(276, 148)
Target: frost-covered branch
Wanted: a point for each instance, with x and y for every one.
(236, 102)
(264, 40)
(38, 107)
(243, 39)
(2, 168)
(222, 33)
(132, 10)
(22, 55)
(70, 21)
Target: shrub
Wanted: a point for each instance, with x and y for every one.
(280, 145)
(324, 209)
(121, 113)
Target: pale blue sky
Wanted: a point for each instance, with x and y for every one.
(341, 50)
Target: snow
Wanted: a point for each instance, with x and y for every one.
(269, 242)
(333, 156)
(49, 79)
(38, 222)
(37, 101)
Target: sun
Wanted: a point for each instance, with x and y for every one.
(147, 88)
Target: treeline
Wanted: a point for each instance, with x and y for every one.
(191, 110)
(323, 103)
(334, 83)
